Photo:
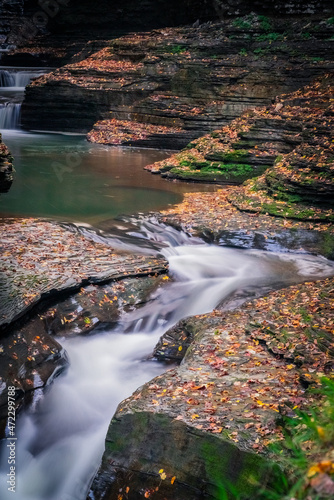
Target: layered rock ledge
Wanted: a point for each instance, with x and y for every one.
(41, 259)
(145, 87)
(42, 262)
(291, 141)
(6, 168)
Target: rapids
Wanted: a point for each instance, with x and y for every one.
(60, 439)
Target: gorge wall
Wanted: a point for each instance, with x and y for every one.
(165, 87)
(6, 168)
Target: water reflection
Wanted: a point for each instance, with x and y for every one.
(64, 176)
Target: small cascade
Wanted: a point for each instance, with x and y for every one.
(12, 84)
(23, 78)
(18, 78)
(61, 439)
(7, 79)
(10, 116)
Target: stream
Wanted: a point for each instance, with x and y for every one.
(64, 177)
(60, 437)
(12, 85)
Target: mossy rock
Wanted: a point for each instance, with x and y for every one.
(238, 156)
(249, 201)
(148, 451)
(215, 172)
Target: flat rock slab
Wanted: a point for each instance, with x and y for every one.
(41, 259)
(98, 307)
(6, 168)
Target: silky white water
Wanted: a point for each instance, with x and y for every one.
(10, 116)
(12, 84)
(60, 442)
(19, 77)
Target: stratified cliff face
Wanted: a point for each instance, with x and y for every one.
(6, 168)
(295, 133)
(10, 11)
(165, 87)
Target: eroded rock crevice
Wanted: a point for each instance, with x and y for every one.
(6, 168)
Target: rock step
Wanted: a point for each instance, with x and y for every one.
(200, 77)
(6, 168)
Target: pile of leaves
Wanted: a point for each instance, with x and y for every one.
(117, 132)
(40, 258)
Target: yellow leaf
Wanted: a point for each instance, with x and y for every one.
(321, 432)
(180, 348)
(161, 471)
(163, 476)
(313, 471)
(290, 367)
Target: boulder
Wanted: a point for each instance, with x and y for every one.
(6, 168)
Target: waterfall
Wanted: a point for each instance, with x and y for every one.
(12, 84)
(23, 78)
(6, 79)
(10, 116)
(18, 78)
(61, 441)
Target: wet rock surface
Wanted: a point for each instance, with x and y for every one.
(98, 307)
(29, 360)
(41, 260)
(31, 357)
(212, 217)
(175, 342)
(147, 86)
(240, 374)
(6, 168)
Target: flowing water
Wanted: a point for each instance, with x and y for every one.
(12, 84)
(61, 439)
(65, 177)
(19, 77)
